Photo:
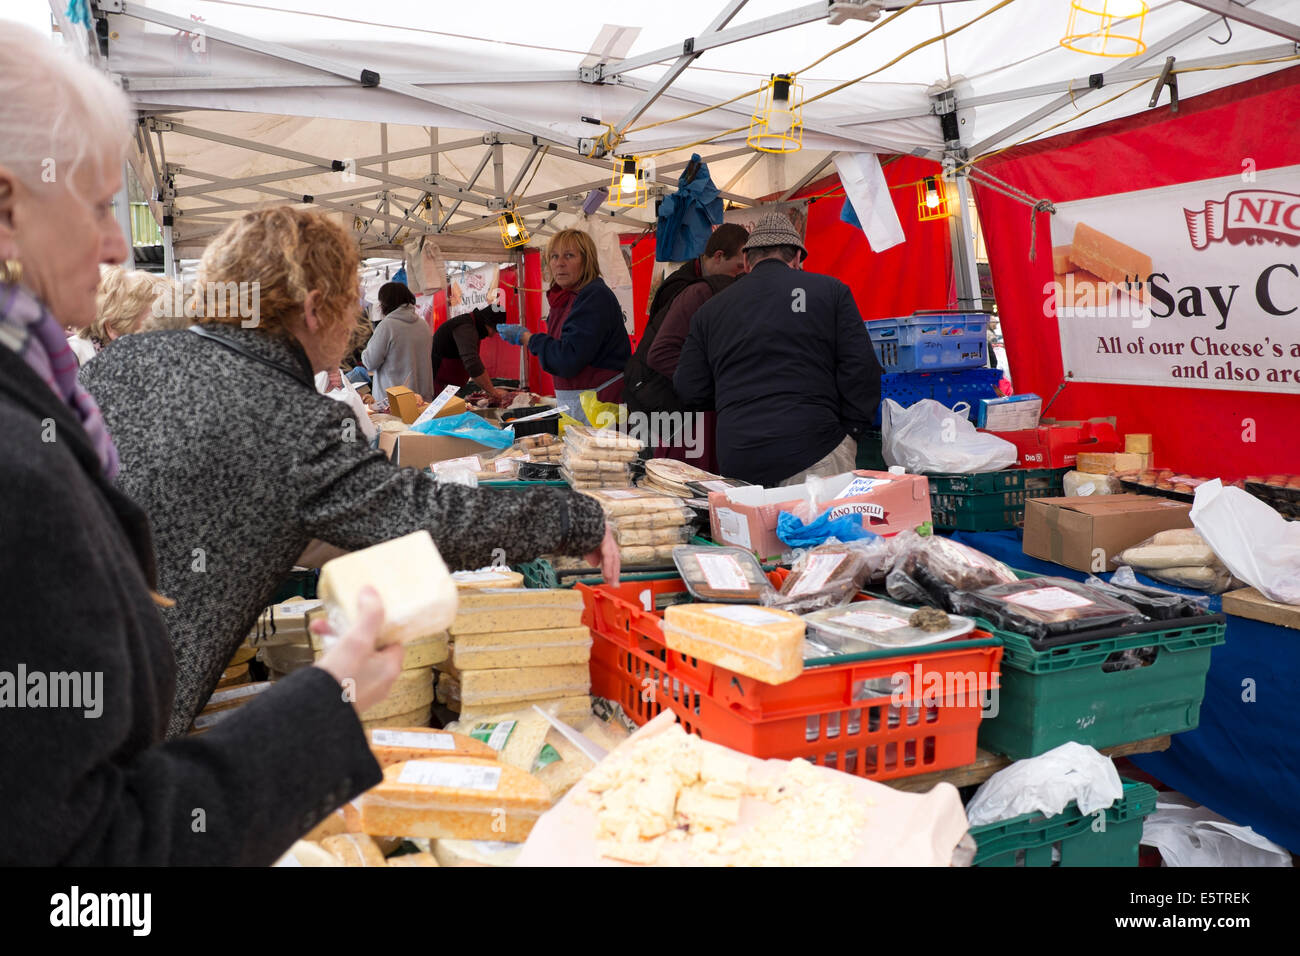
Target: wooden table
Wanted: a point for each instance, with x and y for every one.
(986, 764)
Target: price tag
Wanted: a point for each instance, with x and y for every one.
(455, 775)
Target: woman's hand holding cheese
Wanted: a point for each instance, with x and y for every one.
(355, 658)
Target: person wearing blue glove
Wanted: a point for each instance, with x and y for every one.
(514, 334)
(585, 346)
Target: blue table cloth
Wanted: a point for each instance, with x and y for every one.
(1243, 760)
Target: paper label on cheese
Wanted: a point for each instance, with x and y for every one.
(817, 568)
(435, 406)
(295, 608)
(545, 757)
(743, 614)
(871, 621)
(505, 464)
(860, 486)
(723, 572)
(455, 775)
(235, 693)
(407, 738)
(486, 574)
(715, 485)
(621, 494)
(1047, 599)
(494, 735)
(470, 462)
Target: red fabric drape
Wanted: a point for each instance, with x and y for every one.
(1201, 431)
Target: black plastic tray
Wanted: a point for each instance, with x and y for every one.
(1141, 489)
(1123, 630)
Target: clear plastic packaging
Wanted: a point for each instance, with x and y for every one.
(1180, 557)
(928, 570)
(586, 482)
(722, 575)
(825, 576)
(676, 534)
(668, 518)
(584, 467)
(647, 554)
(619, 502)
(1045, 607)
(1154, 603)
(872, 625)
(602, 443)
(1079, 484)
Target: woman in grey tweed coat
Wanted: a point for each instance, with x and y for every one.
(239, 463)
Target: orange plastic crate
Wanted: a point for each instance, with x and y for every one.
(836, 715)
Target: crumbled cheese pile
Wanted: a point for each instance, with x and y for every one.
(675, 788)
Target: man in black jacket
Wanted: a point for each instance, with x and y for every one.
(785, 359)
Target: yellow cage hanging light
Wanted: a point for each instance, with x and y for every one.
(513, 231)
(1110, 28)
(629, 184)
(777, 123)
(932, 199)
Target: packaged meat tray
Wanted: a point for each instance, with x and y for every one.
(873, 625)
(1045, 607)
(722, 575)
(928, 570)
(826, 576)
(1155, 604)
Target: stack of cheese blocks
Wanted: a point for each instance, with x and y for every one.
(597, 457)
(1095, 264)
(647, 525)
(512, 647)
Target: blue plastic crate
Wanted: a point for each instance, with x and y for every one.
(931, 341)
(948, 388)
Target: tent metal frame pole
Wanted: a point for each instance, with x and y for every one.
(322, 163)
(226, 205)
(749, 164)
(660, 170)
(523, 170)
(1253, 18)
(673, 72)
(810, 176)
(1066, 99)
(122, 212)
(478, 171)
(364, 78)
(965, 268)
(138, 86)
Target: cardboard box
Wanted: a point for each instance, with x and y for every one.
(403, 403)
(418, 450)
(1085, 533)
(1057, 445)
(1249, 603)
(746, 517)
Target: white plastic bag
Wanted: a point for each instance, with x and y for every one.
(1256, 543)
(1187, 834)
(929, 437)
(1046, 784)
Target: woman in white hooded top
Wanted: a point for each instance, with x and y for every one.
(400, 351)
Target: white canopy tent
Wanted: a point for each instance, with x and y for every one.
(409, 118)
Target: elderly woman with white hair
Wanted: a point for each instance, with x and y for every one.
(86, 667)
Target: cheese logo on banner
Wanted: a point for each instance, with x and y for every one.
(1188, 286)
(1247, 215)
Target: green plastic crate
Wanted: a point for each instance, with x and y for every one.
(1028, 840)
(300, 582)
(977, 512)
(1062, 693)
(976, 483)
(1044, 482)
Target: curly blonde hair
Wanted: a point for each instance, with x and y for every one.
(122, 297)
(282, 254)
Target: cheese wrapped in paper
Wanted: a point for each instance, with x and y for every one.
(502, 685)
(763, 643)
(565, 645)
(490, 610)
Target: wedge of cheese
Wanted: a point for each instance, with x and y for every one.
(489, 610)
(488, 578)
(414, 584)
(475, 852)
(396, 744)
(506, 684)
(560, 645)
(760, 642)
(459, 798)
(243, 654)
(412, 690)
(413, 859)
(354, 849)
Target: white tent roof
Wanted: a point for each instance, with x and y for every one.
(269, 93)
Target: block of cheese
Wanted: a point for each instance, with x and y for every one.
(413, 859)
(234, 696)
(243, 654)
(488, 610)
(505, 684)
(566, 708)
(307, 853)
(1108, 463)
(515, 738)
(287, 658)
(561, 645)
(285, 623)
(414, 584)
(411, 690)
(1060, 259)
(354, 849)
(488, 578)
(1137, 443)
(237, 674)
(475, 852)
(561, 775)
(422, 652)
(760, 642)
(420, 717)
(448, 691)
(459, 798)
(1082, 290)
(392, 745)
(1109, 259)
